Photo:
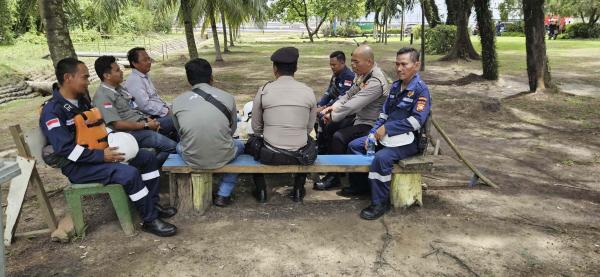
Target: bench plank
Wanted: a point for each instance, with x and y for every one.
(324, 163)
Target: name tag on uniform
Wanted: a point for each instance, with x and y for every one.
(407, 99)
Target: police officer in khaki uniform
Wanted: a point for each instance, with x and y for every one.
(364, 99)
(284, 113)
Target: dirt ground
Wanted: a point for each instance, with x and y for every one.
(542, 150)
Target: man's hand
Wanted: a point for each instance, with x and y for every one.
(327, 114)
(380, 132)
(327, 110)
(111, 155)
(319, 109)
(153, 124)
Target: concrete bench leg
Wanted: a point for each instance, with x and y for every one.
(201, 191)
(406, 190)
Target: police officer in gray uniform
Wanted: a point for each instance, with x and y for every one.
(283, 113)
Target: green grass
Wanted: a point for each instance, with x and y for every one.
(24, 58)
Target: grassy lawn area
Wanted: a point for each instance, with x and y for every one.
(26, 57)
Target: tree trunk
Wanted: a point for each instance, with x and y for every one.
(188, 25)
(402, 25)
(215, 35)
(487, 36)
(535, 32)
(451, 15)
(463, 48)
(57, 31)
(6, 35)
(225, 47)
(431, 13)
(230, 36)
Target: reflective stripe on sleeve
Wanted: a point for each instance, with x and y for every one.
(139, 195)
(150, 175)
(414, 123)
(76, 153)
(377, 176)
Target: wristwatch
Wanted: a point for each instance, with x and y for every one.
(146, 127)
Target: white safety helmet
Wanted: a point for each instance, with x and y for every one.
(126, 144)
(247, 111)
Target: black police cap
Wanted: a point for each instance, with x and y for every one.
(285, 55)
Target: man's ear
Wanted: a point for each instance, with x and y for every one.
(211, 80)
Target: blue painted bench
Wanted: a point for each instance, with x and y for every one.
(191, 188)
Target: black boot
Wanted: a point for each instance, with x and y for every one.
(298, 191)
(375, 211)
(260, 193)
(165, 212)
(331, 180)
(160, 228)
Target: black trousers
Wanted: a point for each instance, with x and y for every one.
(342, 137)
(273, 157)
(327, 132)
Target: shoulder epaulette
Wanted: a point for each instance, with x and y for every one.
(263, 87)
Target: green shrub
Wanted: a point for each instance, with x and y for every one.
(85, 36)
(32, 38)
(583, 30)
(515, 27)
(346, 30)
(416, 31)
(439, 40)
(513, 34)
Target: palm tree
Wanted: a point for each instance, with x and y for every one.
(57, 31)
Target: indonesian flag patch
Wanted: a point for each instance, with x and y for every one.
(52, 123)
(348, 83)
(107, 105)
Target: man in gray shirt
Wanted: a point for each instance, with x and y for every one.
(206, 131)
(145, 95)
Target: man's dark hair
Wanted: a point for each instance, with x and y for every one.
(104, 65)
(64, 66)
(133, 56)
(339, 55)
(286, 69)
(414, 54)
(198, 71)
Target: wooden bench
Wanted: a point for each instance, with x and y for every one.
(191, 188)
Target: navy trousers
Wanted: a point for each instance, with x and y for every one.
(380, 171)
(139, 179)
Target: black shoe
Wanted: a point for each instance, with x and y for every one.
(222, 201)
(352, 192)
(260, 195)
(297, 194)
(160, 228)
(165, 212)
(331, 180)
(374, 211)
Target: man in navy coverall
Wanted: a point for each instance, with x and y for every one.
(404, 112)
(82, 165)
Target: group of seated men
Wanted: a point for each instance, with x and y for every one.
(201, 122)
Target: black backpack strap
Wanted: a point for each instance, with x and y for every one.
(210, 99)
